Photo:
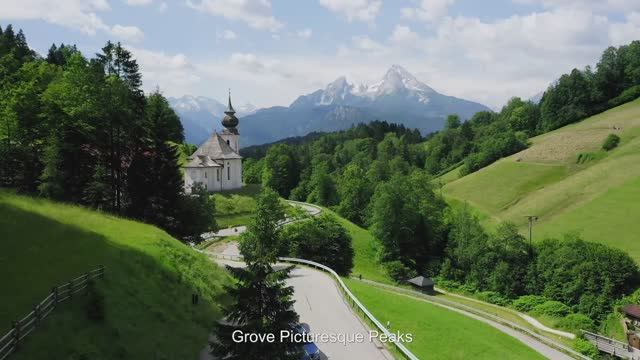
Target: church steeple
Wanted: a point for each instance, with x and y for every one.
(230, 121)
(230, 110)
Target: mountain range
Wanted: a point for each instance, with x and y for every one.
(398, 97)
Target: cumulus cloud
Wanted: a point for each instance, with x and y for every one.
(354, 10)
(427, 10)
(404, 35)
(305, 34)
(138, 2)
(80, 15)
(255, 13)
(128, 33)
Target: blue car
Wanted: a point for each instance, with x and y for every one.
(311, 351)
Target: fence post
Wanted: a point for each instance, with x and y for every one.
(86, 283)
(54, 290)
(71, 288)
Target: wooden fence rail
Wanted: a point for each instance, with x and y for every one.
(611, 346)
(23, 327)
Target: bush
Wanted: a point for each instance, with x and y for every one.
(630, 94)
(551, 308)
(321, 239)
(526, 303)
(398, 271)
(584, 347)
(611, 142)
(576, 322)
(493, 298)
(94, 304)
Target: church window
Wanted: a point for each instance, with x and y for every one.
(218, 174)
(228, 173)
(228, 142)
(205, 174)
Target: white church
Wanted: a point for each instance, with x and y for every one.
(217, 163)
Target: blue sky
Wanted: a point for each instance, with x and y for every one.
(269, 52)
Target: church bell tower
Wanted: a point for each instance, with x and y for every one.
(230, 122)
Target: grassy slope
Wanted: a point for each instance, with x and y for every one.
(236, 207)
(594, 199)
(365, 259)
(148, 285)
(439, 333)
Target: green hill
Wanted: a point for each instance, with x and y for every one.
(147, 289)
(568, 181)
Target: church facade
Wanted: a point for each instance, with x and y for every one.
(217, 164)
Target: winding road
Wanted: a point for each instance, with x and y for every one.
(322, 308)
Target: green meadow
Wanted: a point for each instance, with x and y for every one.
(147, 288)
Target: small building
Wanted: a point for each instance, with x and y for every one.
(424, 284)
(217, 164)
(632, 313)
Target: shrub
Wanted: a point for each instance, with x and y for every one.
(526, 303)
(94, 304)
(398, 271)
(584, 347)
(628, 95)
(576, 322)
(551, 308)
(493, 298)
(611, 142)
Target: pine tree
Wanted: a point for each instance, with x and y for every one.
(262, 303)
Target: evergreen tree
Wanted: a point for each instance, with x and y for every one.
(261, 302)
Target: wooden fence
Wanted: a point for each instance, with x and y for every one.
(21, 328)
(611, 346)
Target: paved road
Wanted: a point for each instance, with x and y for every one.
(233, 231)
(323, 310)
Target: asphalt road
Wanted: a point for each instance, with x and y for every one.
(322, 310)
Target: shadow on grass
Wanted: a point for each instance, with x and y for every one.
(147, 293)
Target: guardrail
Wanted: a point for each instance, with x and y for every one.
(24, 326)
(611, 346)
(486, 315)
(354, 301)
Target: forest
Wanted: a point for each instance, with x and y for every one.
(82, 131)
(384, 177)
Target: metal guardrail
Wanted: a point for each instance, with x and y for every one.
(611, 346)
(486, 315)
(24, 326)
(401, 348)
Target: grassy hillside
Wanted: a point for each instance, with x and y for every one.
(147, 288)
(465, 338)
(595, 198)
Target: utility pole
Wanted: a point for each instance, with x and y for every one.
(531, 219)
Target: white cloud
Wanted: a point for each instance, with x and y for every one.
(226, 35)
(128, 33)
(354, 10)
(80, 15)
(403, 35)
(139, 2)
(76, 14)
(305, 34)
(366, 44)
(594, 5)
(255, 13)
(427, 10)
(162, 7)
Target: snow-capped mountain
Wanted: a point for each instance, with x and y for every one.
(200, 115)
(398, 97)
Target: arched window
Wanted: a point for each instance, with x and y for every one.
(218, 174)
(228, 173)
(205, 174)
(228, 142)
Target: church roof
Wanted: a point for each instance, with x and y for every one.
(212, 150)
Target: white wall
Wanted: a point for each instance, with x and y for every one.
(227, 177)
